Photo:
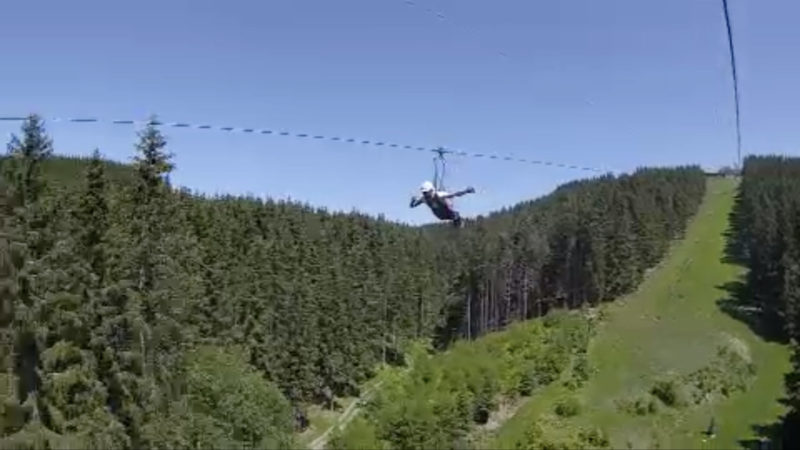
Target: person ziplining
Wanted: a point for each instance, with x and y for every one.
(437, 198)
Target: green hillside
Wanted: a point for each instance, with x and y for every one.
(669, 328)
(63, 171)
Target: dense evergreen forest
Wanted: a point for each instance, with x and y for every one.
(766, 238)
(138, 315)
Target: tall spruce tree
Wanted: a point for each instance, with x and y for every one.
(22, 173)
(144, 337)
(11, 261)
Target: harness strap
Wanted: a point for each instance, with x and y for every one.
(438, 178)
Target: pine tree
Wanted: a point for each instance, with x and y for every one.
(11, 262)
(92, 219)
(152, 166)
(145, 337)
(22, 169)
(34, 220)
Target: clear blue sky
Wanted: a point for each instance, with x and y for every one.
(612, 83)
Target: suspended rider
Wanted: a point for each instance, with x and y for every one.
(440, 202)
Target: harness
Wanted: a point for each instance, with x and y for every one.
(440, 207)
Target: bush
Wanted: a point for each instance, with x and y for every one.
(549, 367)
(668, 392)
(443, 396)
(572, 383)
(640, 406)
(554, 317)
(548, 434)
(652, 405)
(223, 386)
(568, 407)
(529, 381)
(646, 405)
(594, 437)
(228, 404)
(532, 438)
(581, 369)
(729, 372)
(359, 435)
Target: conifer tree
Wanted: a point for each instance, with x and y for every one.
(28, 330)
(92, 219)
(11, 262)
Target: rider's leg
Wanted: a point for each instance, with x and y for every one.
(456, 218)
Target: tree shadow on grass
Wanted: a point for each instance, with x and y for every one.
(735, 247)
(773, 436)
(740, 304)
(743, 304)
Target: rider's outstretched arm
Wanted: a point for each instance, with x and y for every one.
(415, 201)
(466, 191)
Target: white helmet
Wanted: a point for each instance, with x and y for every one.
(427, 187)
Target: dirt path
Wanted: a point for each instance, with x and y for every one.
(349, 413)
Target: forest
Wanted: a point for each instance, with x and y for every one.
(140, 315)
(764, 237)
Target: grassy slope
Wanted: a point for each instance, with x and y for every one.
(673, 323)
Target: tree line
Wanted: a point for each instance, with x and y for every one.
(765, 237)
(115, 287)
(590, 241)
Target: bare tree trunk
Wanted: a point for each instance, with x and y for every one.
(420, 315)
(487, 299)
(507, 295)
(492, 307)
(525, 293)
(385, 320)
(483, 307)
(469, 316)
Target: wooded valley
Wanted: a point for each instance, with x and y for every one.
(139, 315)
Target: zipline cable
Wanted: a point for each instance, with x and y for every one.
(438, 149)
(735, 83)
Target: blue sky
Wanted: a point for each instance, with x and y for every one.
(614, 84)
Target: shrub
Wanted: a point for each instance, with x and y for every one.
(437, 402)
(549, 367)
(547, 434)
(595, 437)
(359, 435)
(529, 381)
(554, 317)
(640, 406)
(572, 383)
(581, 369)
(668, 391)
(729, 372)
(652, 405)
(646, 405)
(568, 407)
(235, 396)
